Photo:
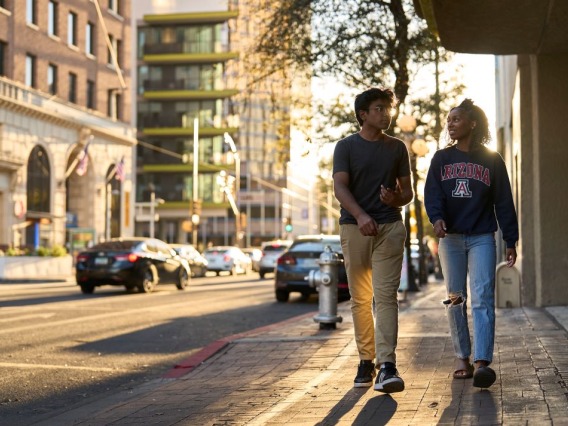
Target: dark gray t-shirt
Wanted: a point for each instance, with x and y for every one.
(371, 164)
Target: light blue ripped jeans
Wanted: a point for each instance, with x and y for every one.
(476, 254)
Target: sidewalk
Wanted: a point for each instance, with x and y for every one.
(292, 373)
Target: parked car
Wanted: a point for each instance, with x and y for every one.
(197, 263)
(227, 258)
(429, 261)
(294, 266)
(271, 251)
(136, 263)
(255, 255)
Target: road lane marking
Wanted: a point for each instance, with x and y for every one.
(61, 367)
(211, 307)
(27, 317)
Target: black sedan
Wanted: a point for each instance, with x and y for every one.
(295, 264)
(136, 263)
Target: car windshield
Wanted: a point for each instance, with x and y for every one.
(317, 246)
(274, 248)
(215, 251)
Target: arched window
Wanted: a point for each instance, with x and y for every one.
(39, 178)
(114, 200)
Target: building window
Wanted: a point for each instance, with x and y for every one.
(114, 103)
(90, 38)
(30, 70)
(113, 43)
(90, 94)
(114, 5)
(72, 29)
(52, 18)
(2, 58)
(72, 87)
(52, 78)
(31, 13)
(38, 184)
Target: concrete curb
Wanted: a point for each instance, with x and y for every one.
(187, 365)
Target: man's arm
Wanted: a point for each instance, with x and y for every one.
(367, 225)
(401, 195)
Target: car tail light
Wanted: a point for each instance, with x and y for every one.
(226, 258)
(82, 258)
(131, 257)
(286, 259)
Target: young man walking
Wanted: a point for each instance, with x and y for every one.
(371, 175)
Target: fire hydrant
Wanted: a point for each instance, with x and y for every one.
(325, 281)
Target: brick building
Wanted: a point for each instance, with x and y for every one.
(64, 95)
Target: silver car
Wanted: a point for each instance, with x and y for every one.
(271, 251)
(227, 258)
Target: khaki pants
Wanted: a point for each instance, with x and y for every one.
(374, 265)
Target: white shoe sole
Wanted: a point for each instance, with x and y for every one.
(363, 385)
(390, 386)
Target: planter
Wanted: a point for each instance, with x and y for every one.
(36, 268)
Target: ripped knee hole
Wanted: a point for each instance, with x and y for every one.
(453, 299)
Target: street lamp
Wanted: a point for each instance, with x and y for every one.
(153, 203)
(229, 141)
(195, 191)
(416, 148)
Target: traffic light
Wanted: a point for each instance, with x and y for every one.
(196, 207)
(288, 224)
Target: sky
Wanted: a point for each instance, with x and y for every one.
(479, 79)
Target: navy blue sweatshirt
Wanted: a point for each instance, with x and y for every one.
(471, 192)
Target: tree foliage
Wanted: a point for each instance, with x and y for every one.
(360, 43)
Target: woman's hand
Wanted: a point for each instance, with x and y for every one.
(511, 256)
(440, 228)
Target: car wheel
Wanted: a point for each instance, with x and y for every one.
(261, 274)
(87, 288)
(282, 295)
(183, 280)
(234, 270)
(148, 280)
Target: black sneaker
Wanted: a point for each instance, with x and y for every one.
(388, 380)
(365, 374)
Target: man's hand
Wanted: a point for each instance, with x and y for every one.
(440, 228)
(367, 225)
(388, 196)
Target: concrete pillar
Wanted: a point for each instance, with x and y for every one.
(545, 178)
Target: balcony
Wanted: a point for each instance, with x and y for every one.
(169, 95)
(163, 57)
(23, 96)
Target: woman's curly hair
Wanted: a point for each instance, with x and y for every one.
(480, 133)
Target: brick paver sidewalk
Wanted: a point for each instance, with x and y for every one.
(296, 374)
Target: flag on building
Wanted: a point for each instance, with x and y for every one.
(83, 158)
(120, 173)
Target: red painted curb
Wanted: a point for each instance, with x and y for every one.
(188, 364)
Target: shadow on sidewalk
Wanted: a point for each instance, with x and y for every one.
(470, 404)
(377, 411)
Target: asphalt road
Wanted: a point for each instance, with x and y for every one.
(60, 348)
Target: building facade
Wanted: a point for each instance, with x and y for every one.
(64, 122)
(197, 93)
(532, 93)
